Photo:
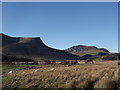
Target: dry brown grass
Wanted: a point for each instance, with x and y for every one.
(98, 75)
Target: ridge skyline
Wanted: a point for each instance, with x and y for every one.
(39, 38)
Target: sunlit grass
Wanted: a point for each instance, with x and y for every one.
(98, 75)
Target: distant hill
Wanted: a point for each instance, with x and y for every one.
(32, 48)
(83, 50)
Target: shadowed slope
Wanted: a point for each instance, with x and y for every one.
(32, 48)
(8, 40)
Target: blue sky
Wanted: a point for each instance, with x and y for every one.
(62, 25)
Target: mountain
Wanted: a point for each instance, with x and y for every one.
(83, 50)
(32, 48)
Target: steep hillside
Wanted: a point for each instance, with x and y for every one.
(83, 50)
(6, 40)
(32, 48)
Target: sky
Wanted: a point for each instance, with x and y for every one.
(64, 24)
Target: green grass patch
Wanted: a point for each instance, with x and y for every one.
(19, 67)
(29, 65)
(10, 67)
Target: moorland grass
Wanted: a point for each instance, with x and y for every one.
(98, 75)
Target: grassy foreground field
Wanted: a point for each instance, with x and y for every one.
(98, 75)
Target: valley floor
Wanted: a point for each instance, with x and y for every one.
(98, 75)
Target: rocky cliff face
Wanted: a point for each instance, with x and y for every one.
(32, 48)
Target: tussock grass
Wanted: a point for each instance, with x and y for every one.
(98, 75)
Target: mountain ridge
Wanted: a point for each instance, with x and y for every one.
(79, 49)
(32, 48)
